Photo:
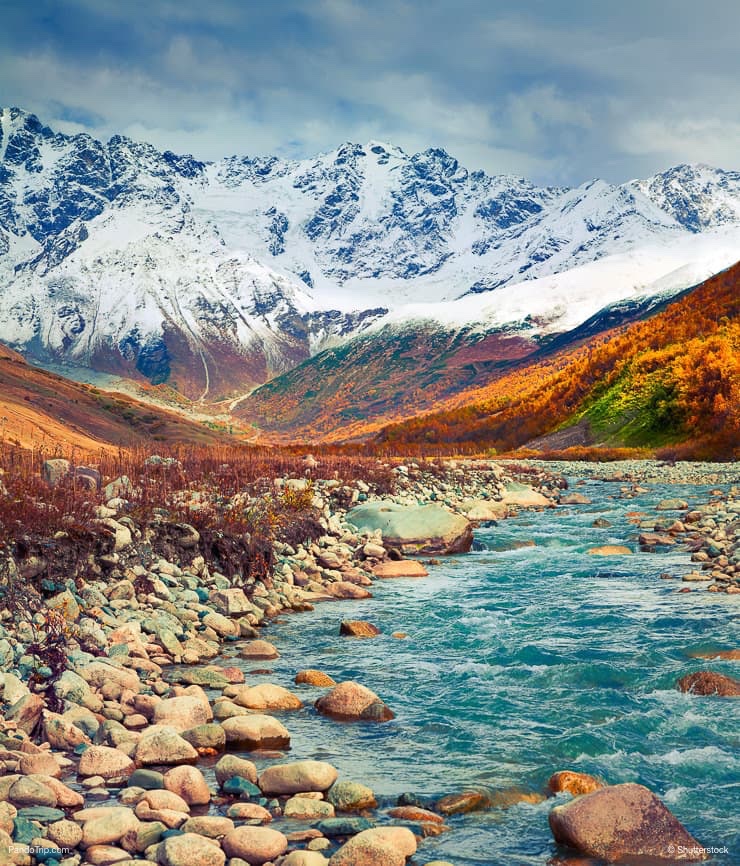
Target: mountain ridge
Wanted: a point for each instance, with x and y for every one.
(216, 277)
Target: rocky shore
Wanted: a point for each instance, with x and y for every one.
(130, 735)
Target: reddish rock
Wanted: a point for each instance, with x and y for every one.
(26, 712)
(623, 821)
(189, 783)
(709, 683)
(105, 762)
(415, 814)
(314, 678)
(460, 804)
(574, 783)
(351, 701)
(258, 649)
(358, 628)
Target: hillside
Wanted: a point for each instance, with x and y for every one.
(39, 409)
(672, 380)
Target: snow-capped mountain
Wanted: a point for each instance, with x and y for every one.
(215, 277)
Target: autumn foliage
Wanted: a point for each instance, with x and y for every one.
(670, 381)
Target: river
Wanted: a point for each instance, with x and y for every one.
(522, 659)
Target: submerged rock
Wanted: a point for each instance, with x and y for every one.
(709, 683)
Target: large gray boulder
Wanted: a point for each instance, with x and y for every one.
(414, 528)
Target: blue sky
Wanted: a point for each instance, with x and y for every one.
(559, 91)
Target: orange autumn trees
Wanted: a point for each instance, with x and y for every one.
(673, 379)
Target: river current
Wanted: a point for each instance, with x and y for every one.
(522, 659)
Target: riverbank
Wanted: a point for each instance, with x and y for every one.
(145, 644)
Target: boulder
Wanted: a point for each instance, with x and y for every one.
(420, 528)
(258, 649)
(99, 673)
(523, 496)
(231, 602)
(622, 821)
(28, 791)
(574, 499)
(379, 846)
(190, 849)
(351, 701)
(709, 683)
(358, 628)
(265, 696)
(189, 783)
(349, 796)
(25, 712)
(298, 777)
(163, 745)
(255, 731)
(105, 762)
(346, 589)
(400, 568)
(183, 712)
(307, 809)
(672, 505)
(105, 825)
(230, 766)
(256, 845)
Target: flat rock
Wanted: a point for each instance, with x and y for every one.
(609, 550)
(400, 568)
(622, 821)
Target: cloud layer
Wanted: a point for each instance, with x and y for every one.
(558, 92)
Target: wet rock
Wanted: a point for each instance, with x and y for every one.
(622, 821)
(348, 796)
(610, 550)
(298, 777)
(251, 812)
(462, 803)
(415, 814)
(314, 678)
(352, 701)
(574, 783)
(672, 505)
(358, 628)
(709, 683)
(336, 827)
(231, 766)
(149, 780)
(574, 499)
(256, 845)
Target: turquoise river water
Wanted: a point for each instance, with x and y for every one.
(521, 661)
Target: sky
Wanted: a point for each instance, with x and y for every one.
(558, 91)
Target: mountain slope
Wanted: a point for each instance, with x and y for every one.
(673, 379)
(42, 410)
(217, 277)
